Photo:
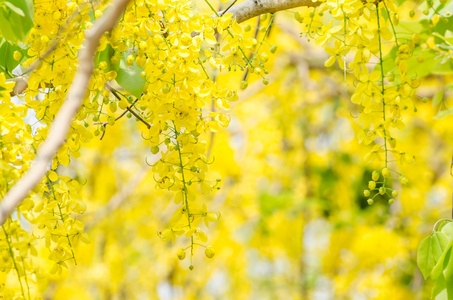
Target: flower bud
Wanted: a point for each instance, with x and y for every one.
(209, 252)
(181, 254)
(375, 175)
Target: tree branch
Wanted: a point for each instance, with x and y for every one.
(60, 127)
(252, 8)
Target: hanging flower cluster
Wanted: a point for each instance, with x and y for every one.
(354, 37)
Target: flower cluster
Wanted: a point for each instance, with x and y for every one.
(157, 66)
(359, 31)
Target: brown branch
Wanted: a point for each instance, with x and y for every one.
(104, 124)
(129, 108)
(138, 117)
(252, 8)
(60, 127)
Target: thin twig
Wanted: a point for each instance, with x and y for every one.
(129, 108)
(214, 79)
(226, 10)
(120, 116)
(63, 120)
(138, 117)
(257, 30)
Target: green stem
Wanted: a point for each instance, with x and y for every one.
(441, 220)
(67, 236)
(201, 64)
(381, 62)
(61, 216)
(344, 44)
(26, 279)
(25, 273)
(391, 23)
(186, 200)
(229, 32)
(14, 261)
(265, 34)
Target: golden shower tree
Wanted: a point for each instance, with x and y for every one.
(72, 72)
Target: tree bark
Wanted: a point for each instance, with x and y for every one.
(252, 8)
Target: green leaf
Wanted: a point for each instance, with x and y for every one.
(15, 9)
(425, 260)
(438, 98)
(105, 55)
(7, 61)
(440, 290)
(447, 229)
(444, 68)
(439, 266)
(442, 224)
(429, 251)
(16, 26)
(407, 28)
(129, 77)
(415, 68)
(444, 113)
(448, 275)
(441, 29)
(439, 242)
(442, 275)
